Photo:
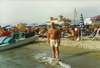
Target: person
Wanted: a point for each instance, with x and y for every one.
(97, 35)
(6, 32)
(54, 39)
(72, 33)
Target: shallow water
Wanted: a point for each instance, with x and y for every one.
(19, 58)
(29, 58)
(23, 58)
(79, 61)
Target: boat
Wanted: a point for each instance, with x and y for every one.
(15, 43)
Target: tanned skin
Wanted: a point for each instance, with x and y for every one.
(54, 33)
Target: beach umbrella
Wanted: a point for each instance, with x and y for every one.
(66, 19)
(81, 23)
(10, 27)
(42, 24)
(7, 26)
(29, 26)
(64, 24)
(74, 24)
(95, 17)
(33, 24)
(56, 25)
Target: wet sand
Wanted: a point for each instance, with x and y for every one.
(69, 47)
(75, 53)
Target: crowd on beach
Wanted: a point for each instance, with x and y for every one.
(73, 32)
(37, 30)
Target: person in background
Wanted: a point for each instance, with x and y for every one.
(53, 38)
(72, 33)
(5, 32)
(1, 31)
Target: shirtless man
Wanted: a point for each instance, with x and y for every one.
(72, 33)
(53, 38)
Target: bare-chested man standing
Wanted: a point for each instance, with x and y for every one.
(53, 38)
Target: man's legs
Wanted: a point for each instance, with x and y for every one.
(57, 52)
(53, 52)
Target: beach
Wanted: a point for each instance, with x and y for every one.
(74, 54)
(84, 52)
(66, 44)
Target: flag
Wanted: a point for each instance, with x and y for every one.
(75, 14)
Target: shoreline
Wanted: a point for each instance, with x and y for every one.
(68, 47)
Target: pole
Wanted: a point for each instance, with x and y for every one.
(81, 33)
(75, 13)
(81, 25)
(74, 16)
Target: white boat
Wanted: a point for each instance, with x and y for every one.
(18, 43)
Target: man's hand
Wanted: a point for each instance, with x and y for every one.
(59, 41)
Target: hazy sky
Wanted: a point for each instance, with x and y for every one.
(39, 11)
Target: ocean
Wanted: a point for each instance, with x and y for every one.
(28, 58)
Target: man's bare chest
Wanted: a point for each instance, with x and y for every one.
(54, 31)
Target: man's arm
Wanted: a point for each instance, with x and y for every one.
(59, 36)
(48, 36)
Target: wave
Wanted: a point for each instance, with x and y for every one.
(42, 58)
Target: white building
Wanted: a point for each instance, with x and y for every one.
(87, 21)
(60, 19)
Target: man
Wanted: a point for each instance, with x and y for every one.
(53, 38)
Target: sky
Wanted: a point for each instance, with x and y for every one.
(39, 11)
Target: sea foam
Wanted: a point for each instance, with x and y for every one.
(48, 61)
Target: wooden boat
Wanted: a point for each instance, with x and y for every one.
(18, 42)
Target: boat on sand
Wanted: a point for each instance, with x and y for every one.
(8, 42)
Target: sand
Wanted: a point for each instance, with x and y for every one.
(79, 54)
(85, 47)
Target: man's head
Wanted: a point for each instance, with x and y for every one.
(52, 24)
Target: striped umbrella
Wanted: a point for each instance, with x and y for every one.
(81, 23)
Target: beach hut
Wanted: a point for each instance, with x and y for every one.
(95, 19)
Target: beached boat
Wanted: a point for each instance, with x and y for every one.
(18, 42)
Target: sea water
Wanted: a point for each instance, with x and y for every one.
(48, 61)
(26, 58)
(29, 58)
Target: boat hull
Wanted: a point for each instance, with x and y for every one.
(18, 43)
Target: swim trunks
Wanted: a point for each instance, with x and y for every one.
(54, 42)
